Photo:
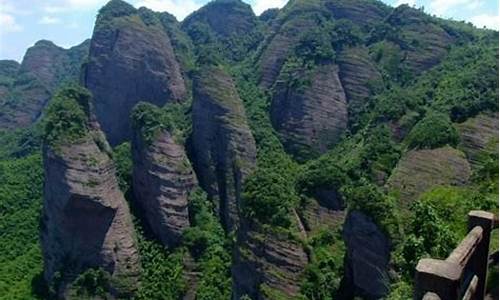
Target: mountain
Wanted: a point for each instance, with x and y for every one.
(298, 154)
(26, 88)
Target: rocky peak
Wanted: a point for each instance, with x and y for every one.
(131, 59)
(162, 176)
(44, 67)
(221, 145)
(224, 17)
(86, 220)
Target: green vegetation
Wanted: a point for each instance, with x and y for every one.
(67, 117)
(20, 209)
(433, 131)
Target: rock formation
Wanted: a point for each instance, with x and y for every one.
(222, 147)
(420, 170)
(364, 13)
(311, 118)
(44, 67)
(267, 265)
(86, 221)
(423, 42)
(162, 180)
(224, 17)
(479, 137)
(367, 259)
(130, 60)
(359, 76)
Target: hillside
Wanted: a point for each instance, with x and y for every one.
(292, 155)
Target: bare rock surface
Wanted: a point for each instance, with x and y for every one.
(130, 60)
(162, 180)
(420, 170)
(267, 264)
(222, 147)
(479, 137)
(313, 117)
(86, 220)
(367, 258)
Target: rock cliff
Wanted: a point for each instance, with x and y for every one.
(363, 12)
(130, 60)
(267, 265)
(367, 259)
(44, 67)
(424, 43)
(359, 76)
(162, 180)
(479, 137)
(222, 147)
(420, 170)
(86, 221)
(312, 118)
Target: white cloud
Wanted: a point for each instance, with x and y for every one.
(484, 20)
(441, 7)
(8, 24)
(49, 20)
(409, 2)
(261, 5)
(62, 6)
(179, 8)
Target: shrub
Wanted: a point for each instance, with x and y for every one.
(67, 117)
(433, 131)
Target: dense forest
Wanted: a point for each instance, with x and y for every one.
(260, 157)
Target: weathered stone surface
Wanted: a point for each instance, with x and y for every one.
(224, 17)
(86, 220)
(312, 118)
(361, 12)
(367, 258)
(222, 147)
(423, 43)
(479, 137)
(130, 60)
(266, 263)
(316, 213)
(420, 170)
(44, 67)
(162, 180)
(359, 76)
(277, 49)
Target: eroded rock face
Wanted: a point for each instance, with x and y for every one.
(423, 42)
(266, 264)
(367, 258)
(359, 77)
(86, 220)
(130, 60)
(43, 68)
(162, 180)
(222, 147)
(479, 137)
(420, 170)
(224, 17)
(360, 12)
(310, 119)
(278, 47)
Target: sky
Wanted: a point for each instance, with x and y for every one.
(69, 22)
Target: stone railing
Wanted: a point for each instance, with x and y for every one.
(463, 274)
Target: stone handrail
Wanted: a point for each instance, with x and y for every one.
(463, 274)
